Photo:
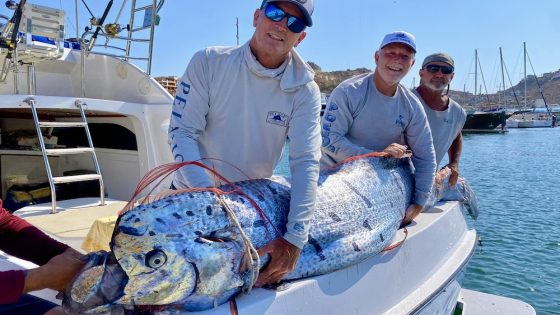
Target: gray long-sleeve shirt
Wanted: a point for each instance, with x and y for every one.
(445, 125)
(359, 119)
(231, 108)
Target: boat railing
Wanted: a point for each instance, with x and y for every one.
(110, 32)
(124, 55)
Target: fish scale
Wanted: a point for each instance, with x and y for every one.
(186, 248)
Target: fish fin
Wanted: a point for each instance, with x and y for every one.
(162, 195)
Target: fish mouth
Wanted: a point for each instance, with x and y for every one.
(100, 283)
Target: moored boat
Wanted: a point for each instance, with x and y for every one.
(480, 121)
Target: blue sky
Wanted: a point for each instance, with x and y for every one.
(346, 33)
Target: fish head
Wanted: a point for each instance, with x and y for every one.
(165, 253)
(167, 268)
(156, 271)
(172, 258)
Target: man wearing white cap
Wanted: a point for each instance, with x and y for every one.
(446, 117)
(239, 105)
(374, 112)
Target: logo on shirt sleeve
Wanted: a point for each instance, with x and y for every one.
(298, 227)
(277, 118)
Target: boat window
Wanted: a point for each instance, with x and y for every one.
(103, 135)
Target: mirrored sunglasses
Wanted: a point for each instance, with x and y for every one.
(276, 14)
(436, 68)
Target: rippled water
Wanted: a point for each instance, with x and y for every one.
(516, 177)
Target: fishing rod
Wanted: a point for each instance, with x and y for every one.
(11, 26)
(99, 25)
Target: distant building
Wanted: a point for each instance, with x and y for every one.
(169, 83)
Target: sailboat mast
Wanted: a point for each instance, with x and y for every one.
(76, 12)
(525, 75)
(475, 71)
(503, 78)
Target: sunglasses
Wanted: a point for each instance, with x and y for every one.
(276, 14)
(436, 68)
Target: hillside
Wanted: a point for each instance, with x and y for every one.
(327, 81)
(550, 83)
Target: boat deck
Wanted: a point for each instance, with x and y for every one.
(479, 303)
(74, 219)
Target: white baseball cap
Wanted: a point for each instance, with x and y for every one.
(399, 37)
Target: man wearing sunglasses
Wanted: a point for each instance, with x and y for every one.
(239, 105)
(446, 117)
(374, 112)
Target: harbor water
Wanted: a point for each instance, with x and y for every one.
(516, 177)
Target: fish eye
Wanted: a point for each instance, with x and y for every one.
(156, 258)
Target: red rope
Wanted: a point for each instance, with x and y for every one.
(362, 156)
(397, 244)
(163, 171)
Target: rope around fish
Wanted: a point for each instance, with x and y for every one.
(163, 171)
(250, 256)
(251, 259)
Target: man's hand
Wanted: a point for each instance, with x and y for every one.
(56, 273)
(283, 259)
(396, 150)
(454, 173)
(440, 176)
(411, 212)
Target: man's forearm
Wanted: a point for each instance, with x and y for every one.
(455, 150)
(34, 280)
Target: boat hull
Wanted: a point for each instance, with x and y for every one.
(494, 122)
(536, 123)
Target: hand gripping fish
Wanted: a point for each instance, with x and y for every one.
(194, 249)
(461, 192)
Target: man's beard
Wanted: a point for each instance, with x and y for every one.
(436, 87)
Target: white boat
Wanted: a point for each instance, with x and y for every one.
(530, 120)
(535, 118)
(542, 116)
(512, 122)
(127, 113)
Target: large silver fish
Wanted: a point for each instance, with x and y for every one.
(185, 251)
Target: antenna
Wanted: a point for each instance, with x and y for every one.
(237, 29)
